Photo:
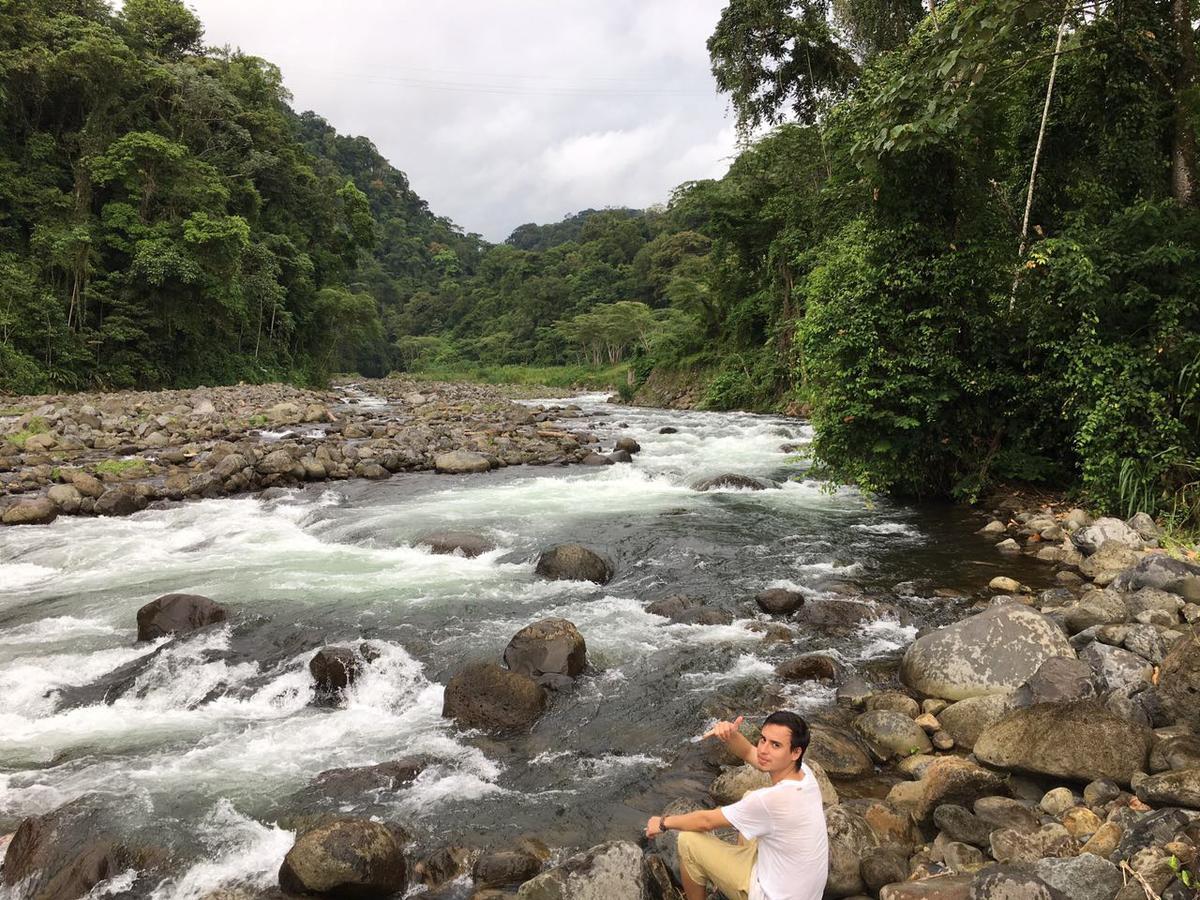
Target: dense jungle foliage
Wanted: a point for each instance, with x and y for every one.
(879, 251)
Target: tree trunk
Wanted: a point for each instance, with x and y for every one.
(1183, 150)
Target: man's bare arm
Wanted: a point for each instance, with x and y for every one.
(700, 820)
(735, 741)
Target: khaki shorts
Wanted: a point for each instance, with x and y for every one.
(726, 866)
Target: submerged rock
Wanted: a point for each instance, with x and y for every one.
(733, 481)
(574, 562)
(779, 601)
(177, 614)
(465, 543)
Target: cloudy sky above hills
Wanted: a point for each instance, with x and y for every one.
(504, 113)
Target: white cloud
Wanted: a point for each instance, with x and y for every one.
(504, 113)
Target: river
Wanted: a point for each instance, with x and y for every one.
(201, 744)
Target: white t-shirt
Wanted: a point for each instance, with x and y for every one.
(793, 846)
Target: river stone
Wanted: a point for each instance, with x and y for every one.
(621, 456)
(1010, 845)
(604, 872)
(349, 784)
(548, 647)
(733, 481)
(1148, 642)
(837, 752)
(950, 780)
(940, 887)
(463, 543)
(1103, 566)
(345, 858)
(810, 667)
(988, 653)
(120, 500)
(177, 614)
(850, 841)
(334, 669)
(1006, 812)
(1177, 788)
(779, 601)
(960, 824)
(837, 614)
(1078, 741)
(896, 702)
(1093, 537)
(64, 853)
(965, 720)
(1155, 570)
(1179, 681)
(502, 868)
(1176, 751)
(891, 734)
(40, 511)
(703, 615)
(1057, 801)
(1151, 830)
(886, 865)
(277, 462)
(574, 562)
(483, 695)
(458, 462)
(65, 496)
(1103, 607)
(1058, 679)
(628, 444)
(597, 459)
(86, 484)
(1116, 668)
(1010, 883)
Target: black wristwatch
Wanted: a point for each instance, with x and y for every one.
(662, 823)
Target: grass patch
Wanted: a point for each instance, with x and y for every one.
(14, 410)
(581, 377)
(37, 425)
(122, 468)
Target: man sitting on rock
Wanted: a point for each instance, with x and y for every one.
(783, 852)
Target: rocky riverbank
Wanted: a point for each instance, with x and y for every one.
(113, 454)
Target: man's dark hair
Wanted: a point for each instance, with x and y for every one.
(797, 726)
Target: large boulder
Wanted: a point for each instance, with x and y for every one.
(989, 653)
(1179, 681)
(40, 511)
(1156, 570)
(967, 719)
(120, 500)
(838, 752)
(892, 734)
(552, 647)
(732, 784)
(63, 854)
(1092, 538)
(355, 858)
(483, 695)
(603, 872)
(460, 462)
(177, 614)
(731, 481)
(779, 601)
(1059, 679)
(1180, 788)
(850, 841)
(334, 669)
(464, 543)
(574, 562)
(1079, 741)
(1117, 669)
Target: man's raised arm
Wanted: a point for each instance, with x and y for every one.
(733, 739)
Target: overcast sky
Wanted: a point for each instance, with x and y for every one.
(504, 112)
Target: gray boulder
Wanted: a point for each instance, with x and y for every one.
(1103, 607)
(809, 667)
(992, 652)
(345, 858)
(484, 695)
(604, 872)
(177, 614)
(549, 647)
(502, 868)
(464, 543)
(1155, 570)
(1079, 741)
(1179, 788)
(1083, 877)
(1010, 883)
(731, 481)
(838, 752)
(1179, 682)
(892, 734)
(1057, 680)
(850, 841)
(461, 462)
(1108, 562)
(628, 444)
(1177, 751)
(1091, 538)
(1116, 668)
(40, 511)
(574, 562)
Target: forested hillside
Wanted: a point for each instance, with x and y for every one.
(883, 253)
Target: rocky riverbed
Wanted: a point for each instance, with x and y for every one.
(113, 454)
(1028, 729)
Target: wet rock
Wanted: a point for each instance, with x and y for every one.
(826, 613)
(549, 647)
(574, 562)
(350, 784)
(1008, 545)
(463, 543)
(891, 734)
(177, 614)
(120, 500)
(506, 868)
(853, 692)
(851, 840)
(603, 872)
(1179, 681)
(597, 459)
(779, 601)
(483, 695)
(1005, 585)
(1078, 741)
(334, 669)
(40, 511)
(810, 667)
(670, 607)
(1176, 788)
(621, 456)
(967, 719)
(459, 462)
(994, 528)
(703, 615)
(1093, 537)
(992, 652)
(628, 444)
(668, 429)
(442, 865)
(66, 497)
(731, 481)
(345, 858)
